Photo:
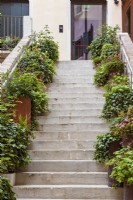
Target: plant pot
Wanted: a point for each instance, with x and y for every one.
(23, 110)
(128, 192)
(114, 146)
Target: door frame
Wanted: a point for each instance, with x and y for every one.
(87, 2)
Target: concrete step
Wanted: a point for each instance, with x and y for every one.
(76, 79)
(69, 120)
(74, 106)
(65, 199)
(77, 100)
(64, 166)
(74, 127)
(78, 135)
(68, 192)
(61, 178)
(74, 94)
(62, 154)
(61, 144)
(80, 90)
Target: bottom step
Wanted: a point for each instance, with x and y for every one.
(65, 199)
(68, 192)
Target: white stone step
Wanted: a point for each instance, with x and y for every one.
(69, 120)
(74, 94)
(61, 178)
(65, 199)
(62, 144)
(64, 166)
(74, 127)
(78, 135)
(75, 79)
(77, 90)
(74, 106)
(63, 100)
(62, 154)
(68, 192)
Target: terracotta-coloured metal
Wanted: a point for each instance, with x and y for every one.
(23, 109)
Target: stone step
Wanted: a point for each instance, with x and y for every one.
(68, 192)
(74, 106)
(88, 112)
(76, 72)
(74, 127)
(63, 100)
(61, 145)
(78, 135)
(64, 166)
(65, 199)
(69, 120)
(74, 94)
(61, 178)
(73, 79)
(79, 90)
(62, 154)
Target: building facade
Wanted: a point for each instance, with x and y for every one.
(73, 23)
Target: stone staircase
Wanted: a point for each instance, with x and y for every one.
(62, 153)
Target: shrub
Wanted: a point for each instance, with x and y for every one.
(97, 61)
(117, 100)
(123, 166)
(109, 50)
(106, 71)
(6, 192)
(102, 146)
(37, 62)
(8, 43)
(96, 47)
(28, 85)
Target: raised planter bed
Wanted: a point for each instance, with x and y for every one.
(11, 177)
(3, 55)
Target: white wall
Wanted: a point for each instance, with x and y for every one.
(57, 12)
(53, 13)
(114, 13)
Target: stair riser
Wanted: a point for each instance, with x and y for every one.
(67, 193)
(74, 106)
(65, 166)
(73, 127)
(78, 90)
(67, 135)
(76, 100)
(62, 145)
(61, 179)
(68, 120)
(61, 155)
(74, 94)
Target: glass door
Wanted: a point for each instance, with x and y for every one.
(86, 19)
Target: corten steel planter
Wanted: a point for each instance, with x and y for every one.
(114, 146)
(128, 192)
(23, 109)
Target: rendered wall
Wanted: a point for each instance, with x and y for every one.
(58, 12)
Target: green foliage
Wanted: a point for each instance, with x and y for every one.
(117, 100)
(106, 36)
(97, 61)
(28, 85)
(45, 43)
(123, 166)
(14, 139)
(109, 50)
(35, 61)
(107, 70)
(8, 43)
(6, 192)
(101, 154)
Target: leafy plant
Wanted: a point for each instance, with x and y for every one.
(35, 61)
(109, 50)
(8, 43)
(102, 146)
(117, 100)
(123, 166)
(97, 61)
(6, 192)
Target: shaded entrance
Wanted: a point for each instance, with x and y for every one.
(87, 17)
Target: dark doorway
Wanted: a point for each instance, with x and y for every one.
(87, 17)
(11, 21)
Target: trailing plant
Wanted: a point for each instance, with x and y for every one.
(123, 166)
(117, 100)
(8, 43)
(35, 61)
(109, 50)
(103, 142)
(28, 85)
(44, 41)
(6, 192)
